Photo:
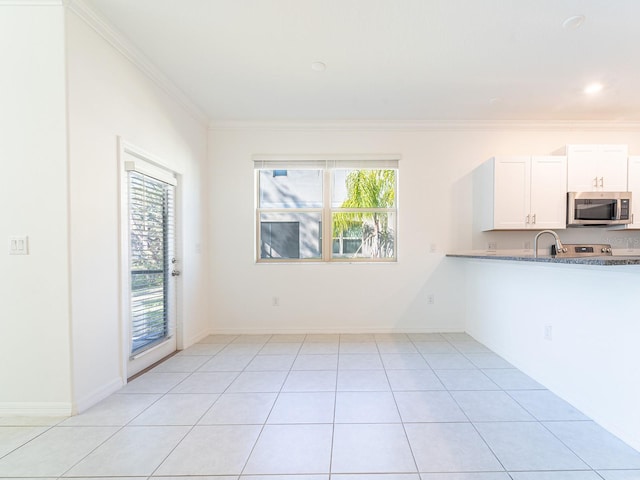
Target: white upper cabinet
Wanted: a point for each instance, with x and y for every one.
(523, 192)
(548, 192)
(512, 193)
(597, 168)
(633, 186)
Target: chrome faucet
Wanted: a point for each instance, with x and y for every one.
(559, 247)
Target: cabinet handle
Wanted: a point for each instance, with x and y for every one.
(602, 182)
(527, 220)
(533, 219)
(595, 181)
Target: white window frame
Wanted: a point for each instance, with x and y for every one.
(325, 163)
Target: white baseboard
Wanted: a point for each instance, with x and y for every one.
(277, 331)
(98, 395)
(196, 338)
(35, 409)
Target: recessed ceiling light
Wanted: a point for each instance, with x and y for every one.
(574, 22)
(318, 66)
(593, 88)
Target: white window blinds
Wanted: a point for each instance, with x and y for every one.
(298, 162)
(151, 230)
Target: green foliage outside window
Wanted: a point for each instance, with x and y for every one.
(367, 190)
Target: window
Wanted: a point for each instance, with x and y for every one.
(326, 210)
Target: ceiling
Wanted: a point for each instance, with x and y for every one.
(391, 60)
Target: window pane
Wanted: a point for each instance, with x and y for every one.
(364, 235)
(151, 227)
(290, 188)
(290, 235)
(363, 188)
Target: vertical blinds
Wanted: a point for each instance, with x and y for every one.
(152, 231)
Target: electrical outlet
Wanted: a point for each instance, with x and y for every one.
(431, 299)
(275, 301)
(492, 246)
(548, 332)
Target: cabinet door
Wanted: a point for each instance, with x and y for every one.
(548, 192)
(511, 192)
(582, 168)
(634, 188)
(612, 168)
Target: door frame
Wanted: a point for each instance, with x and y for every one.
(157, 165)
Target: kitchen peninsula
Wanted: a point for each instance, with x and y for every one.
(527, 257)
(569, 323)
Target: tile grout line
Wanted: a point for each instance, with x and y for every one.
(568, 447)
(475, 429)
(118, 430)
(473, 424)
(335, 407)
(266, 420)
(395, 401)
(46, 429)
(192, 427)
(539, 422)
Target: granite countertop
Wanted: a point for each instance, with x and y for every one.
(524, 257)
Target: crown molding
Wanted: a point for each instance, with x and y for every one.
(418, 126)
(31, 3)
(135, 56)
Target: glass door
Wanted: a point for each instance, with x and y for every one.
(151, 270)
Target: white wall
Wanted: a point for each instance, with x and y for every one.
(435, 207)
(593, 357)
(34, 290)
(325, 297)
(110, 97)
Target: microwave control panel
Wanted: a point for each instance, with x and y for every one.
(624, 209)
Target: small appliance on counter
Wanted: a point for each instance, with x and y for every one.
(598, 208)
(582, 250)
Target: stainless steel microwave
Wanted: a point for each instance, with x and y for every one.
(598, 208)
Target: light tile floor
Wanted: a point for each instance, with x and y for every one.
(320, 407)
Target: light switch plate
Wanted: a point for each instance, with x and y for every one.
(19, 245)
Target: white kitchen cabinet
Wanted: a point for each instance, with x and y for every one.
(597, 168)
(548, 192)
(633, 186)
(523, 193)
